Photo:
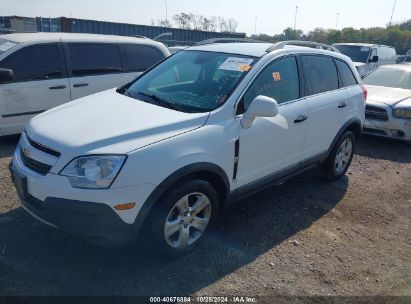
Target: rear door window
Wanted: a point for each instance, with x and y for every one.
(94, 58)
(347, 77)
(138, 58)
(321, 74)
(38, 62)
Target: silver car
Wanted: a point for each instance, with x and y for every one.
(388, 110)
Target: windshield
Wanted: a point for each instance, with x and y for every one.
(388, 77)
(355, 52)
(6, 44)
(192, 81)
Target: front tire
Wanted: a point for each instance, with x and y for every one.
(340, 157)
(181, 219)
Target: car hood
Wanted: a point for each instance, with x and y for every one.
(390, 96)
(358, 64)
(109, 122)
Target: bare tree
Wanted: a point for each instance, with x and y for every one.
(195, 21)
(161, 22)
(200, 22)
(205, 23)
(222, 24)
(182, 20)
(232, 25)
(213, 23)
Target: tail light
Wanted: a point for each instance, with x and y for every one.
(364, 91)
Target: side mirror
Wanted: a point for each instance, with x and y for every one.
(6, 75)
(261, 106)
(373, 59)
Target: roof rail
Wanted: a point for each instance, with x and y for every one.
(310, 44)
(228, 40)
(139, 36)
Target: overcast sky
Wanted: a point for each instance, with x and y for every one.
(272, 15)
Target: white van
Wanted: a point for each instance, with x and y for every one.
(39, 71)
(367, 57)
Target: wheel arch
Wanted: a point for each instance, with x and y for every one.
(354, 125)
(209, 172)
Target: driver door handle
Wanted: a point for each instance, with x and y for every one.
(78, 85)
(342, 105)
(59, 87)
(300, 118)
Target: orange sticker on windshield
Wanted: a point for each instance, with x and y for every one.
(276, 76)
(245, 68)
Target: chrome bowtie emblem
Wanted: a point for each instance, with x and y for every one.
(26, 152)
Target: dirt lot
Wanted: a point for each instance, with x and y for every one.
(306, 237)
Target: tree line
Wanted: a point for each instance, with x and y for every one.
(398, 36)
(192, 21)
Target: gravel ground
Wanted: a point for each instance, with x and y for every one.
(305, 237)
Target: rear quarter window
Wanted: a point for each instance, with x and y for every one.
(321, 74)
(138, 57)
(347, 77)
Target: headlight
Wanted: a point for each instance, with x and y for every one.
(402, 113)
(93, 172)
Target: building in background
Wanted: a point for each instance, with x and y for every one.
(169, 36)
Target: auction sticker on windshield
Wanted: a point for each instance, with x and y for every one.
(236, 64)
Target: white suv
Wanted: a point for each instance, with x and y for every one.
(165, 153)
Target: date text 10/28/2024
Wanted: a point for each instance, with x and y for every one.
(203, 299)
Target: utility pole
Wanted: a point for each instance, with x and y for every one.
(255, 26)
(165, 2)
(338, 17)
(295, 18)
(392, 13)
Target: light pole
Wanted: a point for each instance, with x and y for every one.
(338, 17)
(392, 13)
(165, 3)
(255, 26)
(295, 18)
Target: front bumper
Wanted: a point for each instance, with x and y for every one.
(87, 213)
(394, 128)
(95, 222)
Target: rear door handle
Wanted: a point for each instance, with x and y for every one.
(60, 87)
(78, 85)
(300, 118)
(342, 105)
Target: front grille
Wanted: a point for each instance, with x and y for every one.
(34, 165)
(376, 113)
(43, 148)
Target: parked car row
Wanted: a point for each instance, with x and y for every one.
(160, 156)
(388, 111)
(39, 71)
(367, 57)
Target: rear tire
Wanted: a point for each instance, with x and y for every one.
(340, 157)
(181, 219)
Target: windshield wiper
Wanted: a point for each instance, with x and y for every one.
(162, 102)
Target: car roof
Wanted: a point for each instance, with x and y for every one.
(362, 44)
(400, 66)
(260, 49)
(246, 49)
(75, 37)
